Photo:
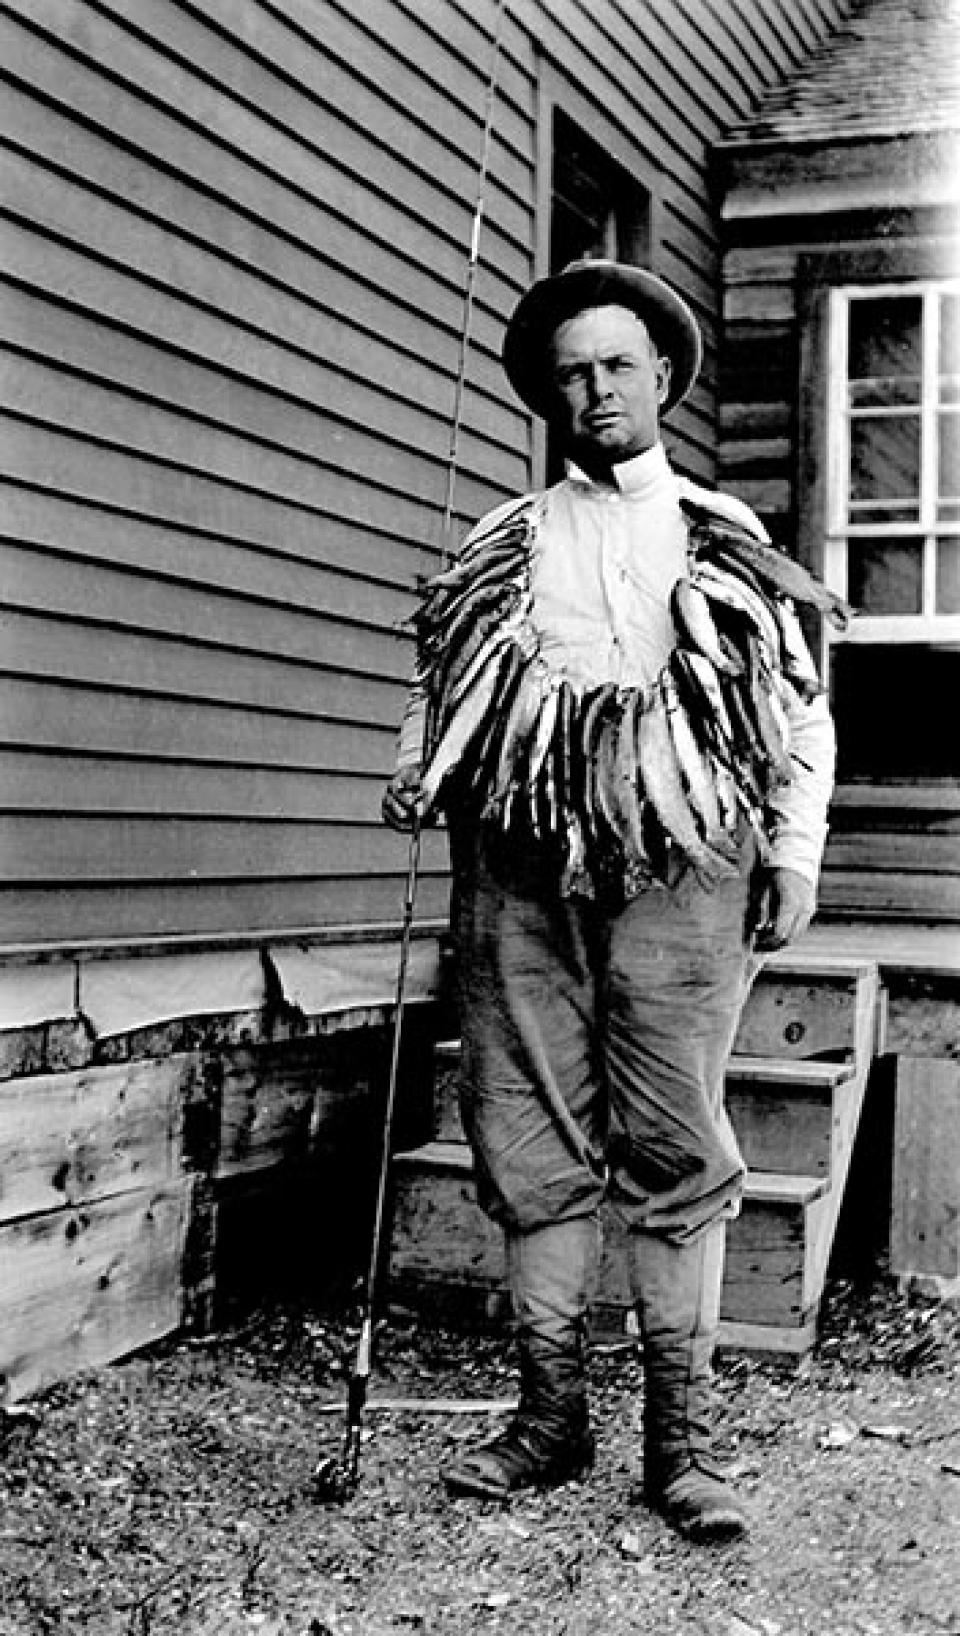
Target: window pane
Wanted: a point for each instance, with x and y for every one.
(886, 576)
(950, 349)
(948, 483)
(885, 347)
(948, 575)
(884, 468)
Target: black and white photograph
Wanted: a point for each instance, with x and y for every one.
(480, 818)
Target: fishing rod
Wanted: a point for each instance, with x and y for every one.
(335, 1477)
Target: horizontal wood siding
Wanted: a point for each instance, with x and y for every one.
(234, 251)
(233, 259)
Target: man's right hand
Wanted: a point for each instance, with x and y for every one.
(403, 799)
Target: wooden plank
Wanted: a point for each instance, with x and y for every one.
(172, 546)
(793, 1015)
(296, 76)
(765, 1264)
(434, 57)
(36, 782)
(924, 1012)
(98, 655)
(376, 388)
(321, 169)
(760, 303)
(86, 915)
(64, 847)
(910, 949)
(55, 583)
(36, 714)
(80, 1287)
(764, 1188)
(439, 1233)
(874, 850)
(925, 1220)
(793, 1133)
(71, 1138)
(281, 1104)
(80, 467)
(343, 274)
(165, 437)
(914, 896)
(791, 1340)
(789, 1074)
(898, 800)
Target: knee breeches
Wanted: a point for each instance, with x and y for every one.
(629, 1018)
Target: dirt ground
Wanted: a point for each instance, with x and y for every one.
(171, 1493)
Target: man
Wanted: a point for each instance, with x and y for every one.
(615, 709)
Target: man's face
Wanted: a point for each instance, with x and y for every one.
(608, 386)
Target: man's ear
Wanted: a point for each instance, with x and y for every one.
(664, 372)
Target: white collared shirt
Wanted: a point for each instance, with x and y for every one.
(605, 562)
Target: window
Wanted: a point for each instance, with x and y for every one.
(597, 208)
(893, 537)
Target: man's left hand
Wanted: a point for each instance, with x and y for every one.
(787, 903)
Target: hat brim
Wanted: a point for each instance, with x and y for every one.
(670, 322)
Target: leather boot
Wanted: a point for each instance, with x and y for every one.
(677, 1287)
(548, 1441)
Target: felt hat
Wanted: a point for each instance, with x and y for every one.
(595, 283)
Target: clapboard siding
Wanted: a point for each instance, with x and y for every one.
(53, 581)
(67, 846)
(34, 781)
(83, 915)
(256, 567)
(234, 255)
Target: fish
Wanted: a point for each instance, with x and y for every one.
(539, 747)
(796, 659)
(603, 756)
(733, 593)
(462, 729)
(663, 787)
(694, 621)
(521, 717)
(713, 714)
(502, 636)
(695, 768)
(624, 791)
(505, 523)
(785, 575)
(772, 727)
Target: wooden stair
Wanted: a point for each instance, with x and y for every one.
(795, 1089)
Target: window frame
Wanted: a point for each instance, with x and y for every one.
(928, 626)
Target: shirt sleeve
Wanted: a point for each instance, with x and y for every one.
(799, 810)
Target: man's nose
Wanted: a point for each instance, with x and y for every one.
(599, 383)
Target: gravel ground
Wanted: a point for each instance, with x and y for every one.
(171, 1493)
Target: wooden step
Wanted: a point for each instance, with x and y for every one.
(776, 1252)
(796, 1117)
(800, 1008)
(790, 1115)
(444, 1246)
(889, 894)
(794, 1089)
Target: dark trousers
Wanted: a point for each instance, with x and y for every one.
(630, 1013)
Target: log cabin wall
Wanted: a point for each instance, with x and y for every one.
(844, 179)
